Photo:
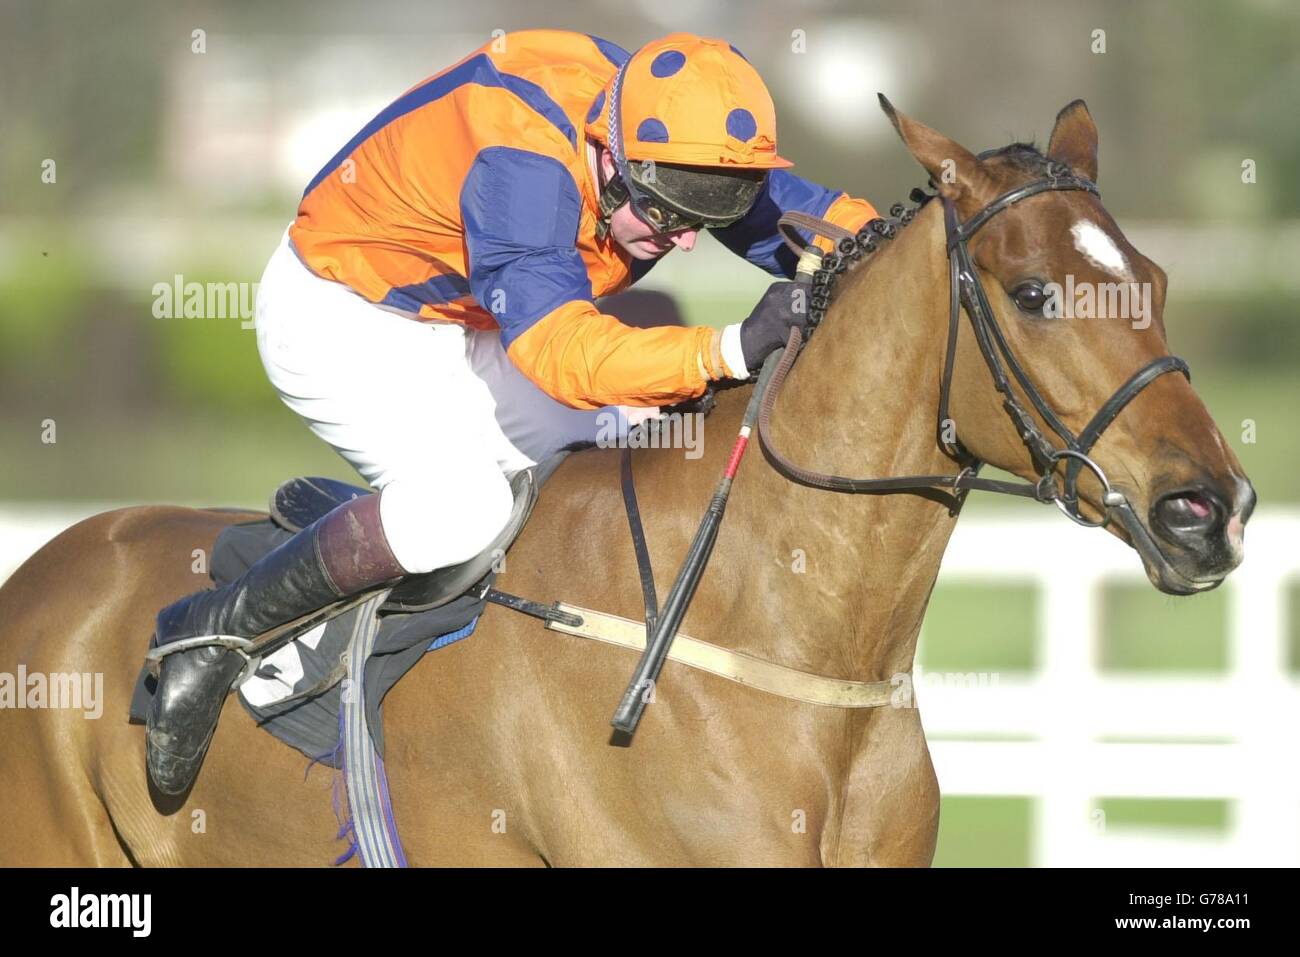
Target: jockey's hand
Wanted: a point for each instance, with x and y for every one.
(783, 305)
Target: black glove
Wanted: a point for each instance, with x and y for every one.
(783, 305)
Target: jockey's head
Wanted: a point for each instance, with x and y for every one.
(687, 132)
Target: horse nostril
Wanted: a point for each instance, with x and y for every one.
(1246, 504)
(1190, 514)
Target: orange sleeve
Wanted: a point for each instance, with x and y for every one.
(852, 214)
(587, 359)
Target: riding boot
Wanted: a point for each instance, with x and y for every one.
(342, 554)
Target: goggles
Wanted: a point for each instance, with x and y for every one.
(718, 199)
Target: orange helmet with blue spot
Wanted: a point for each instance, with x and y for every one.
(692, 130)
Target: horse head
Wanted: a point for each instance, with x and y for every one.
(1079, 313)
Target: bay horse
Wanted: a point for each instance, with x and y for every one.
(499, 747)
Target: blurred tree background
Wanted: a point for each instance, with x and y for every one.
(182, 133)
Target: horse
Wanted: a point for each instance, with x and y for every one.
(499, 748)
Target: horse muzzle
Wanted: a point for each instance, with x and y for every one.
(1193, 536)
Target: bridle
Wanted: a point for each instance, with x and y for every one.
(967, 291)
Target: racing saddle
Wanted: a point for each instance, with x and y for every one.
(300, 501)
(441, 598)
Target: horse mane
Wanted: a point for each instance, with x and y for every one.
(1022, 156)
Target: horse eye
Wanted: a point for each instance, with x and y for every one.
(1030, 297)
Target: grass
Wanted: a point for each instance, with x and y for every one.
(1145, 631)
(997, 831)
(1293, 621)
(980, 628)
(984, 832)
(1198, 814)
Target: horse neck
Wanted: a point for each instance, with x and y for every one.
(839, 582)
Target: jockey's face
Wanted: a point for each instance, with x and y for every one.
(636, 235)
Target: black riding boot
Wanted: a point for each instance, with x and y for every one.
(343, 553)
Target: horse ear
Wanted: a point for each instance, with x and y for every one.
(1074, 140)
(955, 170)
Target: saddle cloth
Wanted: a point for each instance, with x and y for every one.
(422, 613)
(311, 724)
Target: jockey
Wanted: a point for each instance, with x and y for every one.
(431, 314)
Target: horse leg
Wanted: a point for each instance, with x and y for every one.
(890, 810)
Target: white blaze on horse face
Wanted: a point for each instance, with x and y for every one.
(1099, 249)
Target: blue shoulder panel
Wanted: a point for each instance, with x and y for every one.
(478, 69)
(435, 291)
(755, 237)
(614, 53)
(521, 211)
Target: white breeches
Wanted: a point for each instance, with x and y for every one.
(431, 413)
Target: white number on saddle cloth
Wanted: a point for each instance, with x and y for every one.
(285, 669)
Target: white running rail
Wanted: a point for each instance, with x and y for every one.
(1068, 706)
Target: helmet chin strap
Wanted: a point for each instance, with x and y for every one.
(611, 194)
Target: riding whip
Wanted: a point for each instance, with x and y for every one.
(630, 708)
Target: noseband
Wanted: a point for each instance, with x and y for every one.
(967, 291)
